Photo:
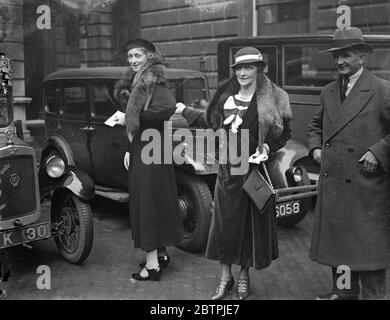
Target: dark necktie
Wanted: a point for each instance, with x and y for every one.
(343, 89)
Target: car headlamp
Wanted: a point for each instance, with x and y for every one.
(55, 166)
(297, 174)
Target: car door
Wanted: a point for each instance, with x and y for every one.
(73, 122)
(108, 144)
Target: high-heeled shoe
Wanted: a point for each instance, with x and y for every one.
(163, 261)
(224, 288)
(153, 274)
(243, 289)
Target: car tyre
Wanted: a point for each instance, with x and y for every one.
(195, 202)
(73, 221)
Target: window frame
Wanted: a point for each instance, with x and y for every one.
(92, 100)
(70, 84)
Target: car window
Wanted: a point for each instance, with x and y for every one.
(74, 100)
(189, 91)
(379, 61)
(308, 66)
(52, 97)
(269, 56)
(103, 100)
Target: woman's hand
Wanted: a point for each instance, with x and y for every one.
(258, 157)
(126, 160)
(119, 118)
(180, 106)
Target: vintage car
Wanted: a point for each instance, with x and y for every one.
(79, 101)
(299, 64)
(21, 191)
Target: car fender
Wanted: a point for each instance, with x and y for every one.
(76, 180)
(79, 183)
(61, 145)
(284, 159)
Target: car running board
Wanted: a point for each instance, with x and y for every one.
(111, 193)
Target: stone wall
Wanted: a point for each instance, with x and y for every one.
(187, 31)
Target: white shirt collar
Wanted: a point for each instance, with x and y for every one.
(352, 80)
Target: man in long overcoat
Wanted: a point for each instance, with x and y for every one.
(350, 137)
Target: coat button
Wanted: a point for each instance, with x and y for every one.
(325, 174)
(350, 150)
(348, 181)
(327, 145)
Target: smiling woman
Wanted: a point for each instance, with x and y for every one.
(154, 215)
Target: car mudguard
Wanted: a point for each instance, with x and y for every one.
(284, 159)
(76, 180)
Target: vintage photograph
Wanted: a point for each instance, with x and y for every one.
(208, 151)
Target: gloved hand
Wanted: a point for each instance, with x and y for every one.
(258, 156)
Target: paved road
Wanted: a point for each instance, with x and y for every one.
(105, 274)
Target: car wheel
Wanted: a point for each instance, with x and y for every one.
(195, 202)
(291, 221)
(73, 224)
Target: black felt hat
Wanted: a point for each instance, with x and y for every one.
(349, 38)
(139, 43)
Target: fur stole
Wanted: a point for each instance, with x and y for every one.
(272, 102)
(133, 89)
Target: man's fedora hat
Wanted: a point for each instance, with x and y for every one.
(139, 43)
(247, 55)
(349, 38)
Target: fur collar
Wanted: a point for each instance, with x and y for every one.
(134, 90)
(273, 107)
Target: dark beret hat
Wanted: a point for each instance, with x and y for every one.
(139, 43)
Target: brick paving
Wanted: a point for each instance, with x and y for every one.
(105, 274)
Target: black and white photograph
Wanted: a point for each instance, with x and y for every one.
(194, 154)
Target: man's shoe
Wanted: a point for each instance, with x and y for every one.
(334, 296)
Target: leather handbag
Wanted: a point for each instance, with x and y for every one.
(259, 189)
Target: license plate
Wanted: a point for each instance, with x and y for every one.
(287, 209)
(24, 235)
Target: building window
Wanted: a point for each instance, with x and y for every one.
(284, 11)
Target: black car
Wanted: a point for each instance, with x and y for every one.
(79, 101)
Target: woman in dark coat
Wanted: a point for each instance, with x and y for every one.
(154, 209)
(239, 233)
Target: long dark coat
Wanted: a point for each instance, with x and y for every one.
(352, 220)
(154, 205)
(239, 233)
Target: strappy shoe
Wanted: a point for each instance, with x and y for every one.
(153, 274)
(163, 261)
(224, 288)
(243, 289)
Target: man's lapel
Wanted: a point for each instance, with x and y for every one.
(356, 100)
(332, 98)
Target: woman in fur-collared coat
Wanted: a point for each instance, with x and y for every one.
(154, 205)
(239, 233)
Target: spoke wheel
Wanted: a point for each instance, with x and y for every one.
(195, 203)
(73, 222)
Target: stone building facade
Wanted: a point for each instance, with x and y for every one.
(88, 33)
